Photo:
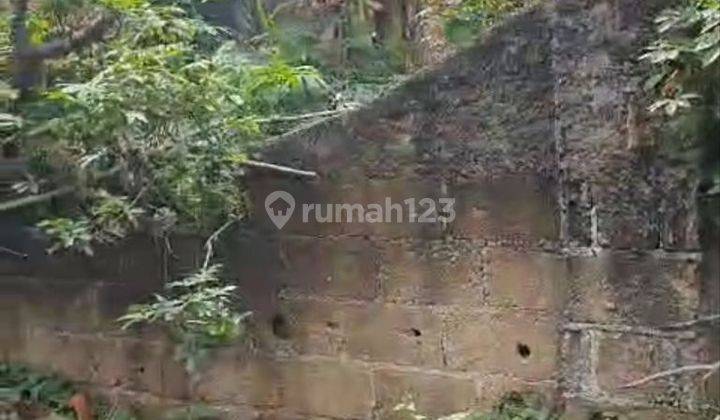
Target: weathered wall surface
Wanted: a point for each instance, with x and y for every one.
(570, 253)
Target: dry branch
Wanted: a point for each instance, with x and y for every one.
(300, 117)
(209, 251)
(687, 324)
(34, 199)
(628, 329)
(13, 252)
(708, 368)
(279, 168)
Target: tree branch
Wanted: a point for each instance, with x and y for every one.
(709, 368)
(209, 251)
(628, 329)
(33, 199)
(39, 198)
(687, 324)
(28, 58)
(7, 250)
(299, 117)
(279, 168)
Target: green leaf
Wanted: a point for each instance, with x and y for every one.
(132, 116)
(7, 93)
(706, 41)
(711, 56)
(10, 121)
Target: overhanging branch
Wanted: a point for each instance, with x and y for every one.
(39, 198)
(34, 199)
(279, 168)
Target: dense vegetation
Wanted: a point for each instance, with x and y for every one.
(147, 127)
(685, 62)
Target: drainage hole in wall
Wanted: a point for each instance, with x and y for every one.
(523, 350)
(280, 326)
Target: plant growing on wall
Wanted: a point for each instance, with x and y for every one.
(199, 312)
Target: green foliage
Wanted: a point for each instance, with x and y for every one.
(110, 218)
(464, 21)
(23, 387)
(163, 112)
(160, 114)
(68, 234)
(687, 49)
(199, 313)
(113, 217)
(19, 384)
(685, 62)
(281, 86)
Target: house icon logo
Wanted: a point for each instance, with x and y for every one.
(279, 206)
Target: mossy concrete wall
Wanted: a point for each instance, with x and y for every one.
(574, 247)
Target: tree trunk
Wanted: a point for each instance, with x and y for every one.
(28, 59)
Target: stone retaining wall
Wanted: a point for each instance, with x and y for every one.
(570, 253)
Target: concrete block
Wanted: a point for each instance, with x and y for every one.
(509, 209)
(623, 358)
(139, 365)
(433, 273)
(526, 280)
(135, 257)
(346, 267)
(372, 332)
(434, 394)
(511, 342)
(232, 377)
(491, 389)
(308, 387)
(633, 288)
(390, 333)
(68, 355)
(576, 409)
(326, 388)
